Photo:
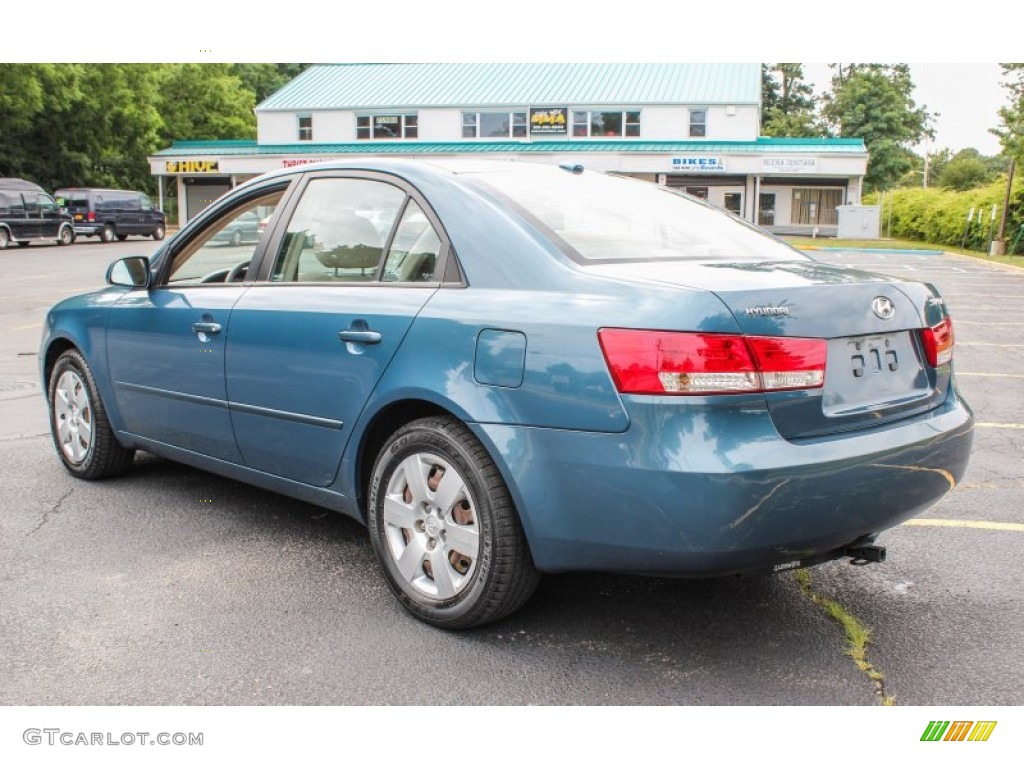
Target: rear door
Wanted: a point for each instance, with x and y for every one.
(355, 263)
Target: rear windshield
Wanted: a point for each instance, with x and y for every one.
(610, 218)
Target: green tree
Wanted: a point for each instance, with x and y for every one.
(873, 102)
(787, 102)
(205, 102)
(264, 79)
(967, 169)
(1011, 117)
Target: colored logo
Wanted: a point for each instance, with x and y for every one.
(958, 730)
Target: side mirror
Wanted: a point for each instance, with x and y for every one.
(131, 272)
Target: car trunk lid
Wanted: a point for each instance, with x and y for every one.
(877, 367)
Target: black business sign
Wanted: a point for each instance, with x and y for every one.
(549, 120)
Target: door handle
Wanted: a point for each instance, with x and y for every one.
(210, 328)
(360, 336)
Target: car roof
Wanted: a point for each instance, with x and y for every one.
(13, 183)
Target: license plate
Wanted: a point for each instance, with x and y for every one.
(78, 217)
(872, 373)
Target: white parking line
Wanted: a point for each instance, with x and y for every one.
(995, 425)
(993, 375)
(984, 524)
(985, 344)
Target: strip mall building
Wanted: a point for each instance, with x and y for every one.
(691, 126)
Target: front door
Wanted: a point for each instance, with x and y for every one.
(166, 350)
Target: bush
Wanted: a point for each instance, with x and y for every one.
(940, 215)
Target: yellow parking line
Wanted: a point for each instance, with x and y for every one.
(984, 524)
(994, 425)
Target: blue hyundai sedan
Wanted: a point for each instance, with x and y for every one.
(505, 369)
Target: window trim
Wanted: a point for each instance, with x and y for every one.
(403, 118)
(589, 123)
(300, 128)
(510, 114)
(691, 123)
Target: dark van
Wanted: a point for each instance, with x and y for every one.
(110, 213)
(29, 215)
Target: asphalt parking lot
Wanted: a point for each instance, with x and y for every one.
(172, 586)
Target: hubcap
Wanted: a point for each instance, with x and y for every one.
(72, 414)
(430, 526)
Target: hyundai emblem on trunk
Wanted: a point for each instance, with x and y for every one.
(883, 307)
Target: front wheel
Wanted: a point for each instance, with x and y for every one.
(66, 236)
(78, 422)
(444, 528)
(5, 239)
(159, 232)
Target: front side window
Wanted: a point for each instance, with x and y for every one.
(387, 127)
(493, 125)
(338, 231)
(596, 123)
(224, 248)
(698, 122)
(305, 127)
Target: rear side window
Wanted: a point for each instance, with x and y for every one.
(11, 204)
(606, 218)
(338, 231)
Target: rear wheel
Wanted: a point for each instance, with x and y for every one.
(66, 236)
(107, 234)
(5, 239)
(78, 422)
(444, 528)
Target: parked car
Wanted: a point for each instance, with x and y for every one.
(242, 231)
(29, 215)
(535, 369)
(112, 213)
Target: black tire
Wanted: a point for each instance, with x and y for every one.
(159, 232)
(236, 238)
(107, 234)
(74, 401)
(122, 238)
(5, 239)
(483, 562)
(66, 236)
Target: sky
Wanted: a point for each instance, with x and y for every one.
(962, 82)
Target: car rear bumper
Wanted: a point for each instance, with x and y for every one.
(88, 229)
(698, 489)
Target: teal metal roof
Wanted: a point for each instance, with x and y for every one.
(761, 145)
(392, 86)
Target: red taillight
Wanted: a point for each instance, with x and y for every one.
(92, 216)
(670, 362)
(938, 343)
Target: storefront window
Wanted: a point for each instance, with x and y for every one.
(816, 206)
(493, 125)
(734, 202)
(594, 123)
(387, 127)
